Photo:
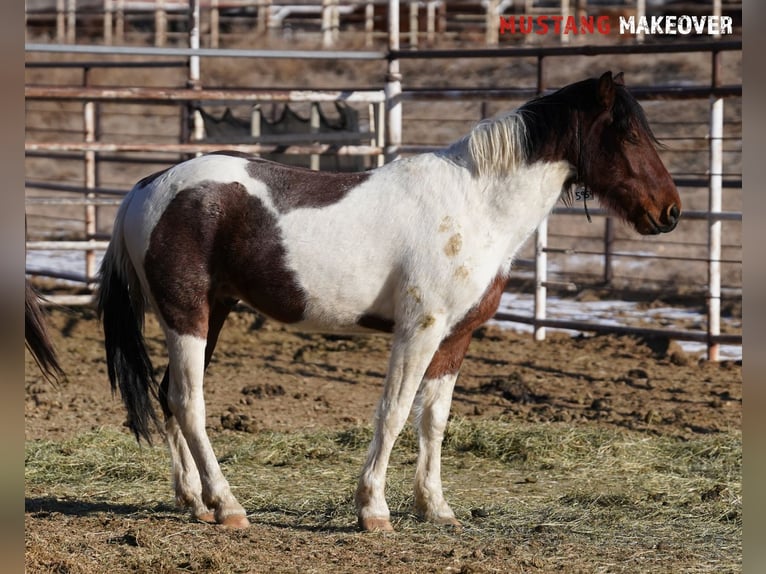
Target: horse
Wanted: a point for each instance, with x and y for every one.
(420, 248)
(37, 338)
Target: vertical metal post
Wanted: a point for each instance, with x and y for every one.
(377, 115)
(441, 25)
(71, 27)
(541, 277)
(393, 87)
(198, 129)
(89, 164)
(414, 23)
(717, 14)
(608, 248)
(327, 23)
(108, 14)
(215, 24)
(714, 228)
(640, 13)
(60, 21)
(119, 23)
(541, 243)
(581, 9)
(492, 32)
(264, 8)
(314, 127)
(380, 131)
(160, 23)
(431, 21)
(255, 121)
(369, 23)
(564, 14)
(372, 123)
(335, 22)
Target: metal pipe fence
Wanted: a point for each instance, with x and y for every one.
(423, 21)
(386, 106)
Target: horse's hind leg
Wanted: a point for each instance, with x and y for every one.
(198, 480)
(186, 480)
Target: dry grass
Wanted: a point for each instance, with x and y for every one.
(531, 498)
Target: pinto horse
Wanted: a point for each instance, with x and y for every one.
(420, 248)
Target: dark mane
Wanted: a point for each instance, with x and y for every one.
(552, 116)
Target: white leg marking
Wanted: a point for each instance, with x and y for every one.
(186, 401)
(410, 355)
(432, 407)
(186, 480)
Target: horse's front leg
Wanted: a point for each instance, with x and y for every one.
(186, 355)
(432, 408)
(411, 353)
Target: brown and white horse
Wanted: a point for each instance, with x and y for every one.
(421, 248)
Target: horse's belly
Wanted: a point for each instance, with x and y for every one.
(337, 295)
(343, 277)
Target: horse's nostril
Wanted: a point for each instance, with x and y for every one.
(672, 214)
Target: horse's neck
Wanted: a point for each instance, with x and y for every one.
(507, 207)
(530, 192)
(526, 194)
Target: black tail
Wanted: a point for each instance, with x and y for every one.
(128, 363)
(37, 339)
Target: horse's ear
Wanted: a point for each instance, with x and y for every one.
(619, 79)
(606, 90)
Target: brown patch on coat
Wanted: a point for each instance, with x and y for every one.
(449, 357)
(217, 242)
(296, 187)
(454, 245)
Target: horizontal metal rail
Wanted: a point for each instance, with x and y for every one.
(690, 214)
(684, 335)
(585, 50)
(99, 64)
(207, 52)
(320, 149)
(176, 95)
(71, 188)
(84, 245)
(520, 52)
(640, 92)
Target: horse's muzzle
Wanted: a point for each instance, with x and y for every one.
(667, 221)
(669, 218)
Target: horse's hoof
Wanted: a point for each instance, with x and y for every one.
(450, 522)
(206, 517)
(235, 522)
(375, 525)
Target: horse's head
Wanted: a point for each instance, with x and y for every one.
(617, 159)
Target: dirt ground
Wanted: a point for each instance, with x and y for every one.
(266, 377)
